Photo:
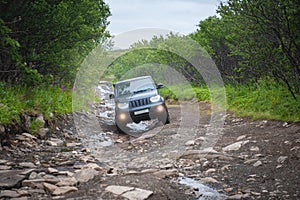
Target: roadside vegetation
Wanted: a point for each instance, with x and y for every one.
(48, 101)
(265, 100)
(255, 45)
(42, 45)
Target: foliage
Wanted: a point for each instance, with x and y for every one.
(264, 100)
(254, 40)
(191, 93)
(45, 100)
(158, 53)
(47, 40)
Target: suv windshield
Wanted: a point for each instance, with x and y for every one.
(134, 87)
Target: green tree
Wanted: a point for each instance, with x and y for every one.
(255, 39)
(54, 36)
(212, 35)
(156, 52)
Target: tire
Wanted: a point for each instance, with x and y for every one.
(165, 119)
(120, 126)
(120, 130)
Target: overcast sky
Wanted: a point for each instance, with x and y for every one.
(181, 16)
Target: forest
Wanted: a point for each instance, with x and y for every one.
(254, 43)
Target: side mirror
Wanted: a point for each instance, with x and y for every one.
(111, 96)
(159, 86)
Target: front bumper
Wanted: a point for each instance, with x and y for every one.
(136, 115)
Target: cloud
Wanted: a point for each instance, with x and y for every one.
(177, 15)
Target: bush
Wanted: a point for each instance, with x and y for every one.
(44, 100)
(264, 100)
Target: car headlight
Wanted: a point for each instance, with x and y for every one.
(122, 105)
(155, 98)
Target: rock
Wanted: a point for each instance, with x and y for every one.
(5, 167)
(138, 194)
(167, 166)
(255, 193)
(295, 148)
(50, 187)
(52, 170)
(68, 181)
(130, 193)
(209, 180)
(227, 190)
(282, 159)
(199, 139)
(28, 135)
(2, 129)
(211, 170)
(43, 132)
(235, 146)
(64, 190)
(241, 137)
(149, 171)
(165, 173)
(55, 142)
(257, 163)
(27, 172)
(27, 165)
(25, 121)
(226, 167)
(118, 190)
(92, 166)
(278, 166)
(51, 179)
(251, 161)
(34, 183)
(85, 175)
(11, 178)
(254, 148)
(251, 180)
(239, 196)
(205, 153)
(73, 144)
(54, 190)
(9, 194)
(190, 143)
(34, 175)
(65, 173)
(285, 124)
(3, 162)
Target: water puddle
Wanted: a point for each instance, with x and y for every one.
(206, 192)
(142, 126)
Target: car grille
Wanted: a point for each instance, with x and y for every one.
(139, 102)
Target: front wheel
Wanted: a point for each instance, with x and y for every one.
(120, 126)
(120, 130)
(165, 118)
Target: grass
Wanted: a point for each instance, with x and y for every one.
(264, 100)
(185, 93)
(44, 100)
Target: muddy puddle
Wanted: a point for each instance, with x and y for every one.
(105, 113)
